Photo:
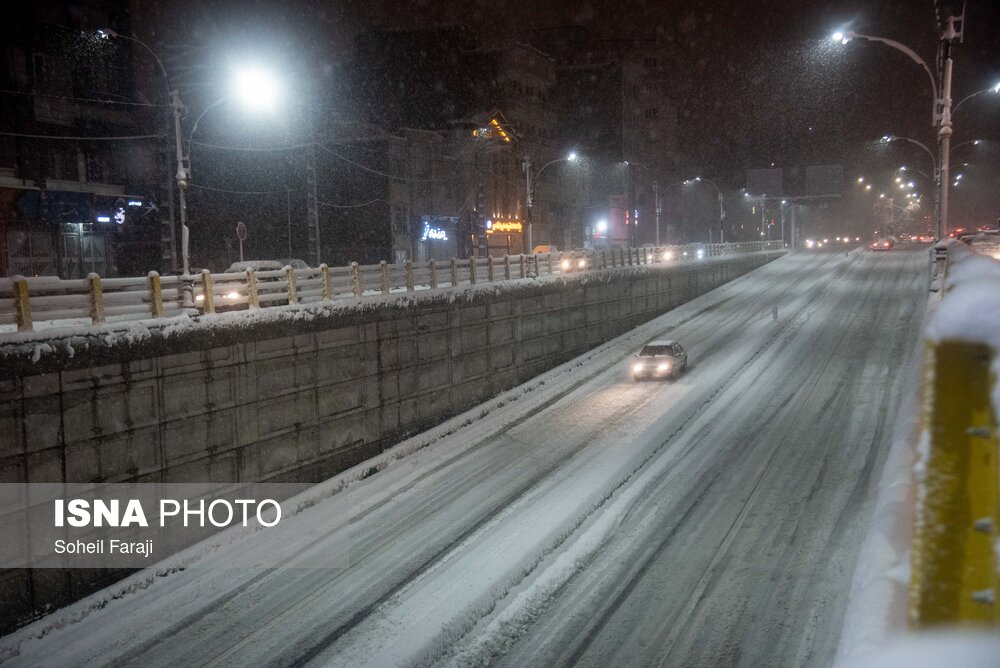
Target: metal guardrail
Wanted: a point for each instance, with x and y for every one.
(956, 540)
(25, 301)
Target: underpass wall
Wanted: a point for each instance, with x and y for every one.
(296, 393)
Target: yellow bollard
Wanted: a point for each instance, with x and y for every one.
(954, 564)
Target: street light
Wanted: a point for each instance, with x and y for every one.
(173, 100)
(992, 89)
(847, 36)
(942, 109)
(722, 207)
(531, 178)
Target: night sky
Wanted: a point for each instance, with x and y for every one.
(757, 82)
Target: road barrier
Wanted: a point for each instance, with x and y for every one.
(25, 301)
(956, 542)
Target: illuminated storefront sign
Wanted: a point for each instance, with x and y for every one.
(433, 233)
(504, 226)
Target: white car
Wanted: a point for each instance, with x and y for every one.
(659, 360)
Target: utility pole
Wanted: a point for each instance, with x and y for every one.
(722, 218)
(945, 130)
(656, 201)
(528, 201)
(312, 206)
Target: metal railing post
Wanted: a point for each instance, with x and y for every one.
(155, 295)
(22, 304)
(96, 298)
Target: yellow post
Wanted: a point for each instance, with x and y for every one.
(22, 304)
(356, 279)
(293, 293)
(324, 272)
(96, 298)
(954, 562)
(155, 295)
(207, 292)
(253, 300)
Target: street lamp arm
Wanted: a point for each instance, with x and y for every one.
(136, 40)
(991, 89)
(900, 47)
(552, 162)
(926, 150)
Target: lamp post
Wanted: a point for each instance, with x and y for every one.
(942, 110)
(722, 207)
(530, 179)
(172, 98)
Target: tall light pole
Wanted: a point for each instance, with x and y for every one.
(722, 206)
(530, 178)
(941, 111)
(172, 98)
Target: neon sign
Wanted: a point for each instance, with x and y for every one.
(433, 233)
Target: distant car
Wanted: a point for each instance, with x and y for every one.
(294, 263)
(658, 360)
(574, 261)
(256, 265)
(881, 245)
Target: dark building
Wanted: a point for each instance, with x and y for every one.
(79, 150)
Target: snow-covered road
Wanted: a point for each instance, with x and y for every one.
(582, 518)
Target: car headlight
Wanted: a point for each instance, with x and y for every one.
(637, 368)
(668, 256)
(565, 264)
(701, 254)
(232, 295)
(582, 264)
(663, 367)
(200, 298)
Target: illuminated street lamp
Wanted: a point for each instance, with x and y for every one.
(172, 99)
(992, 89)
(531, 177)
(942, 110)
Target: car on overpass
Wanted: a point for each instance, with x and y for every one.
(659, 360)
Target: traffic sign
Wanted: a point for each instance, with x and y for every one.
(241, 231)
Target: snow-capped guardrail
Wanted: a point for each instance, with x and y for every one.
(955, 573)
(26, 301)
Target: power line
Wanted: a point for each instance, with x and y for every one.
(240, 192)
(380, 173)
(27, 136)
(224, 147)
(83, 99)
(351, 206)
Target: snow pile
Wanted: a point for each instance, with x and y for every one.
(968, 310)
(933, 650)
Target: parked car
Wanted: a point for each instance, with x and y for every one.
(658, 360)
(256, 265)
(542, 249)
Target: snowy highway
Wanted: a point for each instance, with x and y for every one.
(582, 518)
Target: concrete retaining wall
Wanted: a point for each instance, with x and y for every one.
(294, 398)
